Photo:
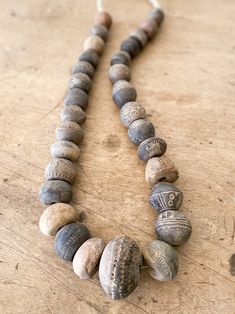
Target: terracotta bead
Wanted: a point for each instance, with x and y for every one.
(131, 46)
(83, 67)
(119, 72)
(103, 18)
(121, 57)
(55, 191)
(149, 27)
(60, 169)
(73, 113)
(56, 216)
(81, 81)
(123, 92)
(76, 96)
(66, 150)
(100, 30)
(140, 130)
(152, 147)
(157, 15)
(70, 131)
(90, 56)
(140, 36)
(94, 42)
(160, 169)
(132, 111)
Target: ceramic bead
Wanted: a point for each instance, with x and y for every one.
(103, 18)
(119, 72)
(151, 147)
(70, 131)
(60, 169)
(121, 57)
(149, 27)
(86, 259)
(162, 260)
(69, 238)
(119, 269)
(132, 111)
(90, 56)
(73, 113)
(55, 191)
(157, 15)
(100, 30)
(173, 227)
(76, 96)
(66, 150)
(160, 169)
(94, 42)
(140, 130)
(83, 67)
(81, 81)
(123, 92)
(140, 36)
(131, 46)
(56, 216)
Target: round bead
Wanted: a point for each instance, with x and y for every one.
(160, 169)
(55, 191)
(69, 238)
(149, 27)
(103, 18)
(56, 216)
(165, 196)
(80, 80)
(73, 113)
(140, 36)
(94, 42)
(70, 131)
(157, 15)
(173, 227)
(66, 150)
(83, 67)
(87, 258)
(123, 92)
(151, 147)
(100, 30)
(131, 46)
(140, 130)
(119, 72)
(76, 96)
(121, 57)
(90, 56)
(162, 260)
(130, 112)
(60, 169)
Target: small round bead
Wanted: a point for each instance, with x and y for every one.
(90, 56)
(123, 92)
(80, 80)
(55, 191)
(100, 30)
(140, 36)
(94, 42)
(60, 169)
(103, 18)
(119, 72)
(151, 147)
(121, 57)
(73, 113)
(173, 227)
(69, 131)
(76, 96)
(149, 27)
(165, 196)
(131, 46)
(83, 67)
(56, 216)
(130, 112)
(157, 15)
(66, 150)
(69, 238)
(160, 169)
(140, 130)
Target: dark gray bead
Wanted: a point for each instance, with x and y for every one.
(158, 15)
(140, 130)
(131, 45)
(151, 147)
(55, 191)
(123, 92)
(121, 57)
(66, 150)
(76, 96)
(60, 169)
(69, 131)
(140, 36)
(100, 30)
(90, 56)
(69, 238)
(80, 80)
(132, 111)
(73, 113)
(83, 67)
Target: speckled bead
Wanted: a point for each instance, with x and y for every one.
(121, 57)
(131, 46)
(76, 96)
(81, 81)
(69, 131)
(103, 18)
(173, 227)
(83, 67)
(119, 72)
(90, 56)
(123, 92)
(152, 147)
(140, 36)
(100, 30)
(149, 27)
(157, 15)
(130, 112)
(94, 42)
(60, 169)
(140, 130)
(55, 191)
(66, 150)
(73, 113)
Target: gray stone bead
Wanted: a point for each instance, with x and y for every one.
(149, 27)
(69, 238)
(140, 130)
(131, 46)
(83, 67)
(73, 113)
(158, 15)
(151, 147)
(69, 131)
(140, 36)
(90, 56)
(81, 81)
(55, 191)
(173, 227)
(121, 57)
(100, 30)
(66, 150)
(132, 111)
(76, 96)
(165, 196)
(60, 169)
(123, 92)
(119, 72)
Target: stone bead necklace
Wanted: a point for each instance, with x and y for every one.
(119, 263)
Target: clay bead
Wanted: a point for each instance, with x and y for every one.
(121, 57)
(55, 191)
(162, 260)
(69, 238)
(123, 92)
(131, 46)
(119, 269)
(76, 96)
(94, 42)
(90, 56)
(69, 131)
(149, 27)
(152, 147)
(81, 81)
(100, 30)
(73, 113)
(66, 150)
(140, 130)
(86, 259)
(140, 36)
(56, 216)
(157, 15)
(132, 111)
(173, 227)
(83, 67)
(60, 169)
(160, 169)
(103, 18)
(119, 72)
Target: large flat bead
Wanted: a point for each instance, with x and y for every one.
(151, 147)
(60, 169)
(55, 191)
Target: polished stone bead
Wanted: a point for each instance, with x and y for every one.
(100, 30)
(55, 191)
(103, 18)
(94, 42)
(66, 150)
(157, 15)
(90, 56)
(70, 131)
(149, 27)
(76, 96)
(81, 81)
(131, 46)
(132, 111)
(60, 169)
(121, 57)
(151, 147)
(119, 72)
(140, 130)
(73, 113)
(83, 67)
(123, 92)
(140, 36)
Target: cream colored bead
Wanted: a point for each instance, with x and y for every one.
(94, 42)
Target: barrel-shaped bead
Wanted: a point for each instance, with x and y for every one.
(151, 147)
(132, 111)
(140, 130)
(55, 191)
(60, 169)
(123, 92)
(73, 113)
(119, 72)
(66, 150)
(69, 131)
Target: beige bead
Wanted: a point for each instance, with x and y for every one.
(94, 42)
(60, 169)
(56, 216)
(119, 72)
(103, 18)
(160, 169)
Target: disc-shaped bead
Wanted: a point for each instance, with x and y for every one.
(60, 169)
(81, 81)
(100, 30)
(90, 56)
(151, 147)
(123, 92)
(70, 131)
(140, 130)
(119, 72)
(131, 46)
(83, 67)
(149, 27)
(140, 36)
(103, 18)
(94, 42)
(132, 111)
(76, 96)
(121, 57)
(66, 150)
(55, 191)
(73, 113)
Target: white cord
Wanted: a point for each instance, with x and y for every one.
(155, 4)
(99, 5)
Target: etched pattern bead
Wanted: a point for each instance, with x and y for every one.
(70, 131)
(90, 56)
(157, 15)
(119, 72)
(140, 130)
(94, 42)
(123, 92)
(83, 67)
(140, 36)
(73, 113)
(132, 111)
(76, 96)
(66, 150)
(100, 30)
(121, 57)
(103, 18)
(151, 147)
(55, 191)
(131, 46)
(149, 27)
(60, 169)
(81, 81)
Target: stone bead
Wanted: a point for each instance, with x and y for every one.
(90, 56)
(157, 15)
(100, 30)
(165, 196)
(77, 97)
(103, 18)
(140, 130)
(56, 216)
(131, 46)
(60, 169)
(55, 191)
(123, 92)
(152, 147)
(140, 36)
(132, 111)
(94, 42)
(121, 57)
(73, 113)
(119, 269)
(81, 81)
(160, 169)
(86, 259)
(173, 227)
(149, 27)
(119, 72)
(83, 67)
(69, 238)
(70, 131)
(66, 150)
(162, 260)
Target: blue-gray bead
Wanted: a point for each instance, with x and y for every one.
(123, 92)
(151, 147)
(76, 96)
(90, 56)
(55, 191)
(140, 130)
